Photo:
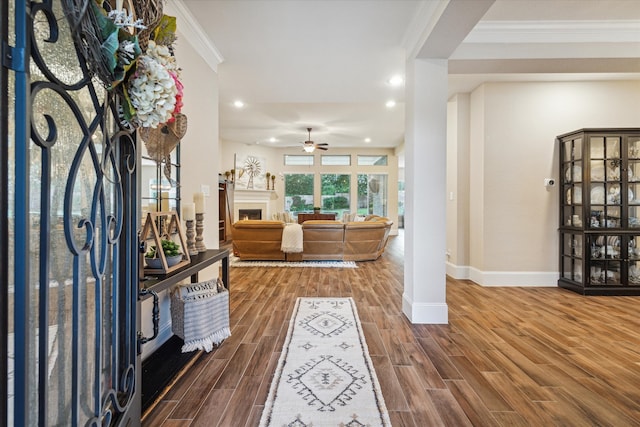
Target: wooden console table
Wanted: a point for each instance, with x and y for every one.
(302, 217)
(160, 282)
(164, 365)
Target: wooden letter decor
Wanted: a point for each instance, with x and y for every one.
(160, 226)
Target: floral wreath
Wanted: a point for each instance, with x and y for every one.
(132, 57)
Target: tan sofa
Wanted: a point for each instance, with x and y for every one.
(258, 240)
(322, 240)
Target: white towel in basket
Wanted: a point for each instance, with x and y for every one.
(200, 315)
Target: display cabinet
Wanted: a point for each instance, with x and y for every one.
(600, 211)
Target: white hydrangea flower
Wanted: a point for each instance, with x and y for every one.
(152, 92)
(163, 55)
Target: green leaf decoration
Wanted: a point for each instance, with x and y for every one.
(165, 32)
(109, 50)
(106, 25)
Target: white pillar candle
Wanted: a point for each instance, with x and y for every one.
(198, 199)
(189, 211)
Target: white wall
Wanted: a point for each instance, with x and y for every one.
(514, 217)
(458, 184)
(199, 151)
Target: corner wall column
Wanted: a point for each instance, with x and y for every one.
(424, 297)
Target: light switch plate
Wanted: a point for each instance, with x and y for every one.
(204, 188)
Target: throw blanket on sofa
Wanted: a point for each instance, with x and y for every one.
(200, 315)
(292, 238)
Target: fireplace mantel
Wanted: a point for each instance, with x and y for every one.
(254, 196)
(253, 199)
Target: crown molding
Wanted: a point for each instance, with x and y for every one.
(191, 30)
(604, 31)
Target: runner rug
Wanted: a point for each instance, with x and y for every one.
(325, 376)
(237, 262)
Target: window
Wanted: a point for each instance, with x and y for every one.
(158, 192)
(372, 160)
(298, 160)
(334, 160)
(335, 191)
(372, 194)
(298, 192)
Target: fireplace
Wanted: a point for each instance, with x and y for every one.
(250, 214)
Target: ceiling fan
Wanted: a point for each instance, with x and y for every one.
(309, 145)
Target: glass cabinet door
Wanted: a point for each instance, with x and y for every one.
(633, 176)
(572, 183)
(605, 259)
(633, 274)
(605, 188)
(572, 253)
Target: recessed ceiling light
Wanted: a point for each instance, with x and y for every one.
(391, 104)
(272, 139)
(238, 104)
(396, 80)
(367, 140)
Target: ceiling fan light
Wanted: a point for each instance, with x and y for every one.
(309, 148)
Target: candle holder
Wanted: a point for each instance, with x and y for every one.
(191, 234)
(200, 247)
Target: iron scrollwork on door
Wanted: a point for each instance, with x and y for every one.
(82, 227)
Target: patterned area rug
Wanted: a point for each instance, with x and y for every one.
(325, 376)
(237, 262)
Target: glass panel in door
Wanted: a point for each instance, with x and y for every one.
(76, 304)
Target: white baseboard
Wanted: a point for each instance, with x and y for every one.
(425, 313)
(460, 272)
(504, 278)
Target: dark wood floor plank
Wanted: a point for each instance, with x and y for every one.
(469, 401)
(159, 413)
(426, 371)
(487, 393)
(261, 356)
(213, 406)
(373, 339)
(448, 408)
(422, 407)
(392, 392)
(192, 400)
(241, 403)
(394, 348)
(440, 360)
(527, 408)
(236, 367)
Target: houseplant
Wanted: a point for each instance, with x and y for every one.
(171, 252)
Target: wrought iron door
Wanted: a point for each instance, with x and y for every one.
(68, 264)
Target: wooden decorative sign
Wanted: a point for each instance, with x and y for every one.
(167, 243)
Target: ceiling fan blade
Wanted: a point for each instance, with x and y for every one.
(322, 143)
(322, 148)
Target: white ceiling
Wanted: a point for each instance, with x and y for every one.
(325, 64)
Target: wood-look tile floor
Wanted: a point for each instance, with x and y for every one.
(508, 357)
